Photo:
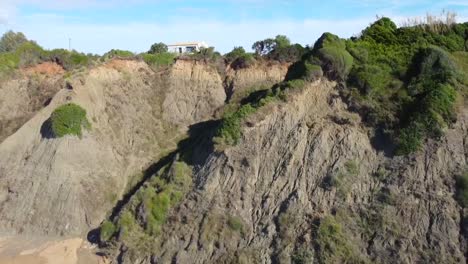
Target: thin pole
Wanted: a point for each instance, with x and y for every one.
(69, 44)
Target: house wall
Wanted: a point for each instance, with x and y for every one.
(183, 49)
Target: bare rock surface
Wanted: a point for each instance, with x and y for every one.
(295, 167)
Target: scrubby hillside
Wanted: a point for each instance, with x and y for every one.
(348, 151)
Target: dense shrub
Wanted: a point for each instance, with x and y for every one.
(334, 245)
(163, 194)
(290, 53)
(381, 31)
(118, 53)
(206, 54)
(406, 86)
(335, 60)
(239, 59)
(432, 108)
(160, 59)
(106, 231)
(158, 48)
(230, 130)
(279, 49)
(68, 59)
(69, 119)
(26, 54)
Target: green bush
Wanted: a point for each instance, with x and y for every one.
(159, 59)
(335, 60)
(162, 194)
(382, 31)
(118, 53)
(304, 69)
(158, 48)
(69, 119)
(462, 190)
(312, 72)
(231, 130)
(407, 81)
(334, 246)
(279, 49)
(289, 53)
(125, 224)
(432, 109)
(206, 54)
(69, 60)
(107, 230)
(239, 59)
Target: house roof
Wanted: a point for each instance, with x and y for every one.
(185, 44)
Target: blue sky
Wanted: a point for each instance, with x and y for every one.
(99, 25)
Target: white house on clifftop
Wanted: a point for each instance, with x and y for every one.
(186, 47)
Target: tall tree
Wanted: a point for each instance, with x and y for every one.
(10, 41)
(157, 48)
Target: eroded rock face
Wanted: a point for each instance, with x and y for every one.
(261, 76)
(196, 89)
(67, 185)
(22, 96)
(296, 166)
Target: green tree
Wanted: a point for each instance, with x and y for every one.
(10, 41)
(281, 41)
(158, 48)
(264, 47)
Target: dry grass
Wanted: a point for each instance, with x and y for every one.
(433, 23)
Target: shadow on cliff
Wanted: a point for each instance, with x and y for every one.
(194, 150)
(46, 129)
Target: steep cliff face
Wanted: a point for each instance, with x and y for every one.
(137, 116)
(263, 75)
(43, 177)
(306, 185)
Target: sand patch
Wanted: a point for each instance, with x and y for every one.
(21, 250)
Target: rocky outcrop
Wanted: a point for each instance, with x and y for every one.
(305, 178)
